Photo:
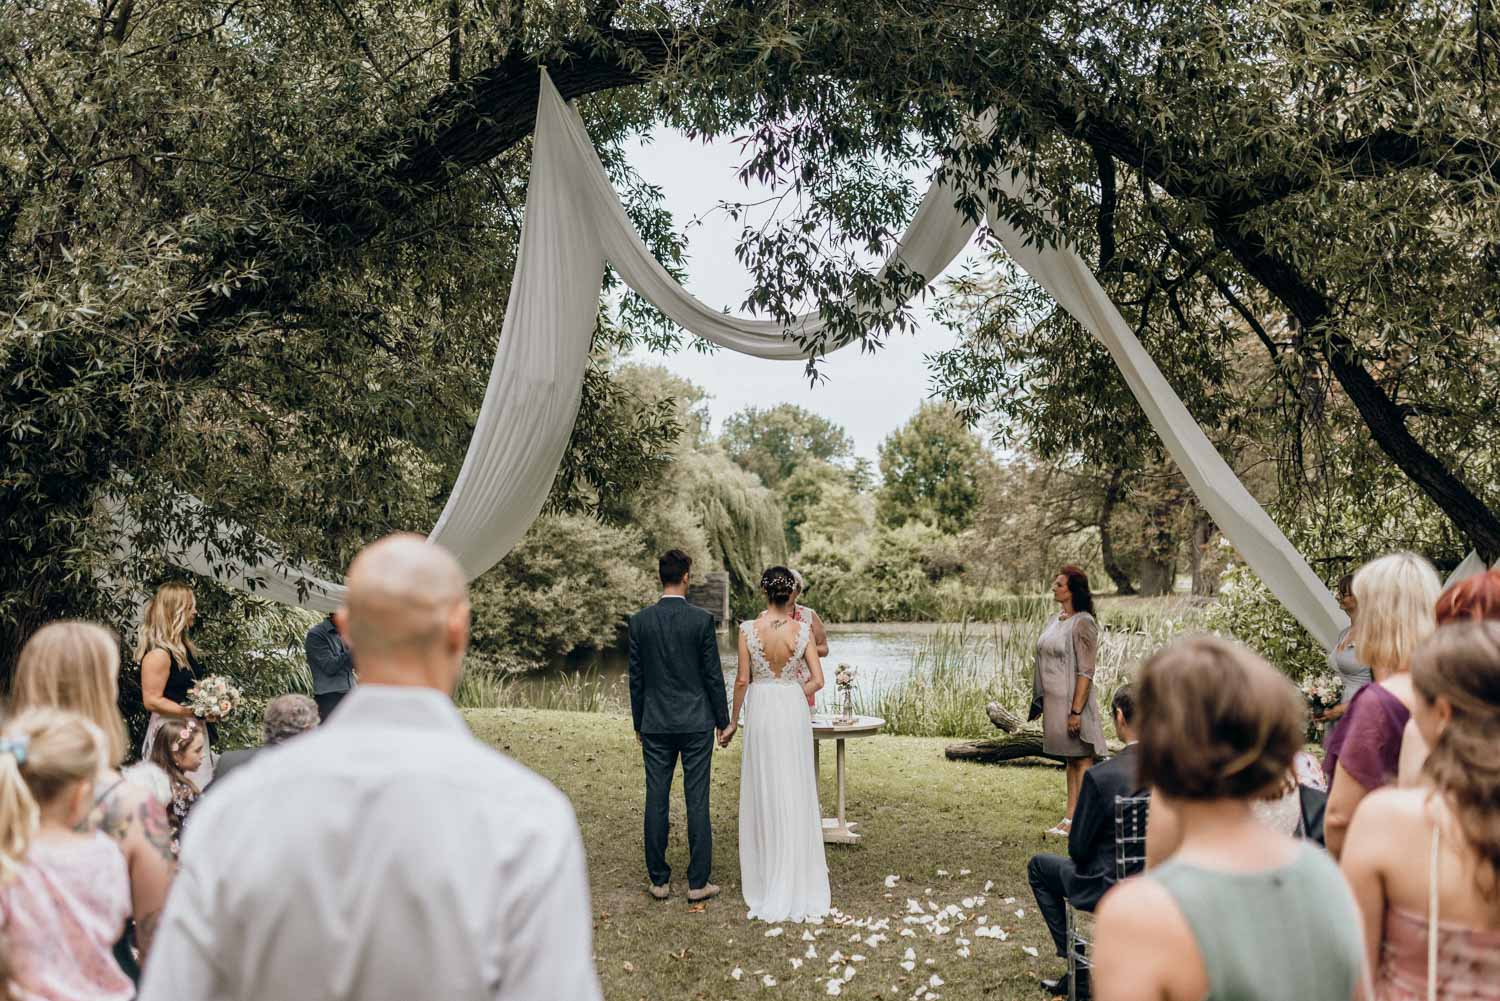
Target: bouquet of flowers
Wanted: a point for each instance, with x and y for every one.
(214, 698)
(845, 678)
(1322, 692)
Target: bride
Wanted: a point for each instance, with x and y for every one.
(782, 869)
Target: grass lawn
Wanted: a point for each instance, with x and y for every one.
(946, 830)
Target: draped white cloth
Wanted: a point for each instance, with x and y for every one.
(1471, 565)
(575, 223)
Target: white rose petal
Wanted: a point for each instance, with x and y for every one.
(837, 957)
(989, 885)
(849, 972)
(1030, 951)
(768, 980)
(942, 872)
(963, 953)
(807, 936)
(774, 932)
(935, 981)
(968, 903)
(908, 965)
(891, 881)
(907, 933)
(1008, 900)
(964, 872)
(1020, 912)
(835, 988)
(796, 963)
(736, 973)
(811, 953)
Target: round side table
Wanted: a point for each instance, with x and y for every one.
(839, 830)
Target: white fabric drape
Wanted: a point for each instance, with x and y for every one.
(575, 222)
(1471, 565)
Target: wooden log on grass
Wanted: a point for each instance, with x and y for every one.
(1019, 740)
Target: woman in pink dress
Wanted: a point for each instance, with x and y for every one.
(65, 895)
(1424, 863)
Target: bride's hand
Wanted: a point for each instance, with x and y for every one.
(727, 734)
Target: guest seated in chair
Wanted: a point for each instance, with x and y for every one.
(286, 717)
(1088, 870)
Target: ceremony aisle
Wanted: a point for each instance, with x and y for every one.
(956, 922)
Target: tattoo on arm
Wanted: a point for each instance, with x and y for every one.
(145, 931)
(155, 828)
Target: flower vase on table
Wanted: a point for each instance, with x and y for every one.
(844, 712)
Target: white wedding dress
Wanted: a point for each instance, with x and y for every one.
(782, 869)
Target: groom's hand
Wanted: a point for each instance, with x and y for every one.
(727, 734)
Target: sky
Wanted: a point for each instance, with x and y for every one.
(869, 395)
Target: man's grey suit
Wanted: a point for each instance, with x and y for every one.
(677, 700)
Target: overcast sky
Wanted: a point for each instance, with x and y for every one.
(870, 395)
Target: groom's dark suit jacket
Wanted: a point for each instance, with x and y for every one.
(676, 680)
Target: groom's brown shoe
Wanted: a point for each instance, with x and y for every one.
(703, 892)
(661, 892)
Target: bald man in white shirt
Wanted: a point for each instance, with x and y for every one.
(388, 855)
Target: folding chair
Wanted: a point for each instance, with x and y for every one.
(1130, 858)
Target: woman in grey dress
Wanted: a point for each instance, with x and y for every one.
(1342, 658)
(1063, 691)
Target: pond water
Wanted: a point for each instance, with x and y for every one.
(883, 653)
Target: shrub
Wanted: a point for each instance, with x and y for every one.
(1247, 611)
(569, 583)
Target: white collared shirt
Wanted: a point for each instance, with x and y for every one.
(386, 856)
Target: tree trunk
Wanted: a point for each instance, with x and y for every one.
(1020, 740)
(999, 750)
(1112, 566)
(1205, 575)
(1156, 577)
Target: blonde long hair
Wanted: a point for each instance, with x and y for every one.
(46, 752)
(1396, 596)
(74, 666)
(165, 623)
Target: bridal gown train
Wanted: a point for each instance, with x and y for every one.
(782, 869)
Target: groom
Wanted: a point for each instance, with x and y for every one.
(677, 700)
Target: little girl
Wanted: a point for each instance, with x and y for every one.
(178, 751)
(64, 895)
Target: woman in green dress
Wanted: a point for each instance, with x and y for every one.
(1240, 911)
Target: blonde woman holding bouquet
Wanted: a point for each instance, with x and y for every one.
(170, 668)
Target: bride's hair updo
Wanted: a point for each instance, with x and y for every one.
(779, 585)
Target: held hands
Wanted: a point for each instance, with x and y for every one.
(727, 734)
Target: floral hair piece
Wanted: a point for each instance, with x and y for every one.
(185, 737)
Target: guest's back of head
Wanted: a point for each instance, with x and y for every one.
(1215, 721)
(287, 716)
(1473, 599)
(406, 613)
(1456, 674)
(74, 665)
(1396, 595)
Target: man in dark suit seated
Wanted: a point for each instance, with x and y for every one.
(286, 717)
(1088, 870)
(678, 702)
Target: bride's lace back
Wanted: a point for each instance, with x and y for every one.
(795, 671)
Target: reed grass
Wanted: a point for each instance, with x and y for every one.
(957, 671)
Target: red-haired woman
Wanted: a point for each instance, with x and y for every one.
(1063, 691)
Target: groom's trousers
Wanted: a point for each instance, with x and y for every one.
(661, 751)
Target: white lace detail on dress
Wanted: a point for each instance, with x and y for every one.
(794, 672)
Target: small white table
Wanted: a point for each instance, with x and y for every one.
(839, 830)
